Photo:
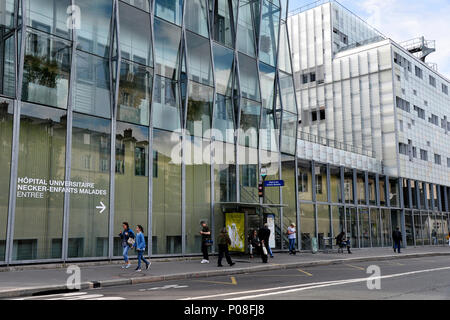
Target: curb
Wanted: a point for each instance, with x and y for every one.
(26, 292)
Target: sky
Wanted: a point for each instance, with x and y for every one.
(403, 20)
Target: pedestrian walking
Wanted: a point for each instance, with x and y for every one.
(128, 239)
(342, 241)
(206, 241)
(253, 244)
(434, 236)
(140, 246)
(397, 238)
(292, 236)
(448, 239)
(264, 235)
(223, 242)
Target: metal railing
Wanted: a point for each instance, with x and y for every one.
(335, 144)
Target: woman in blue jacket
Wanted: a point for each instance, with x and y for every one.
(140, 248)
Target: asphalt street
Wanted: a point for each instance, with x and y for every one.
(405, 279)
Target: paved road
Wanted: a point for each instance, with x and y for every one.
(415, 278)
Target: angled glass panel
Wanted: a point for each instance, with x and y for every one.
(199, 59)
(170, 10)
(166, 106)
(134, 93)
(49, 16)
(268, 136)
(135, 42)
(199, 111)
(223, 22)
(196, 17)
(248, 71)
(223, 65)
(6, 132)
(46, 70)
(167, 47)
(7, 14)
(246, 28)
(284, 8)
(250, 114)
(40, 204)
(284, 57)
(223, 122)
(92, 86)
(141, 4)
(287, 92)
(288, 132)
(94, 33)
(270, 24)
(7, 62)
(91, 156)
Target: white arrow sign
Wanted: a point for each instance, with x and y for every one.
(102, 207)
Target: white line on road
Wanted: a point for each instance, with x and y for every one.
(338, 283)
(305, 286)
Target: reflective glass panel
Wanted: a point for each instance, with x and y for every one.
(248, 175)
(248, 71)
(167, 45)
(7, 63)
(250, 113)
(284, 57)
(46, 70)
(335, 184)
(141, 4)
(170, 10)
(49, 16)
(135, 43)
(270, 23)
(92, 88)
(360, 186)
(288, 175)
(348, 186)
(196, 17)
(198, 190)
(91, 154)
(223, 122)
(364, 227)
(375, 227)
(166, 215)
(223, 65)
(40, 201)
(7, 14)
(222, 23)
(224, 171)
(199, 109)
(6, 126)
(320, 171)
(245, 29)
(287, 92)
(166, 109)
(134, 93)
(199, 59)
(132, 174)
(94, 33)
(288, 132)
(304, 180)
(324, 225)
(307, 225)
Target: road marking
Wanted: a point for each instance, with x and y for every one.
(72, 296)
(304, 286)
(171, 286)
(355, 267)
(307, 273)
(233, 282)
(336, 283)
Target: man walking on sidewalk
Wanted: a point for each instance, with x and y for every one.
(223, 241)
(397, 238)
(206, 241)
(264, 235)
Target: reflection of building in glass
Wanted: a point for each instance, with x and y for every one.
(170, 108)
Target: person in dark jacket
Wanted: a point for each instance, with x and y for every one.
(223, 241)
(264, 235)
(125, 235)
(342, 241)
(254, 244)
(397, 238)
(206, 238)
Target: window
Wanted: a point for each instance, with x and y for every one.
(423, 155)
(249, 175)
(437, 159)
(403, 104)
(140, 161)
(419, 72)
(155, 164)
(433, 81)
(434, 119)
(444, 89)
(448, 162)
(314, 116)
(420, 112)
(415, 92)
(312, 76)
(322, 114)
(403, 148)
(414, 152)
(401, 125)
(303, 182)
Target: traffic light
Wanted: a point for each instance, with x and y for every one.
(261, 190)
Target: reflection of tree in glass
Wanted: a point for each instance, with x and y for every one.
(41, 70)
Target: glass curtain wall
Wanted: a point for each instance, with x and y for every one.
(7, 49)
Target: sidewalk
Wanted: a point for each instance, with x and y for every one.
(40, 278)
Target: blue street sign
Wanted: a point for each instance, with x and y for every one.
(274, 183)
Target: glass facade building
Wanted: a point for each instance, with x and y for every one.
(162, 113)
